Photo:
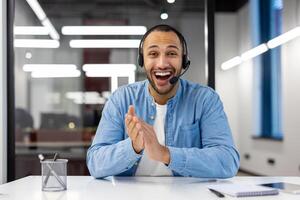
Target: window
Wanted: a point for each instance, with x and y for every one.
(268, 25)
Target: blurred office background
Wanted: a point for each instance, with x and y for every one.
(67, 62)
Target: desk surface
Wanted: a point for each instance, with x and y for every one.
(133, 188)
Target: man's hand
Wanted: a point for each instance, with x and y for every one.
(154, 150)
(131, 121)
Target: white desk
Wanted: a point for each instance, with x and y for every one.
(133, 188)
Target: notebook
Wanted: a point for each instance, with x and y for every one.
(239, 190)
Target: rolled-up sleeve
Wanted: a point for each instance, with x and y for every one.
(111, 153)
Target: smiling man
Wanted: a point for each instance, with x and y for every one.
(164, 126)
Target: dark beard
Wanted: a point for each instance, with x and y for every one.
(156, 89)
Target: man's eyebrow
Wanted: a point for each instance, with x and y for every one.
(170, 46)
(173, 46)
(152, 46)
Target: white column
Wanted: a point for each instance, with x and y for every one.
(113, 83)
(3, 102)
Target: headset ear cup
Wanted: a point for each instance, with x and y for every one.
(140, 60)
(185, 62)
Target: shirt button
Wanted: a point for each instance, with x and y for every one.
(152, 117)
(152, 104)
(136, 163)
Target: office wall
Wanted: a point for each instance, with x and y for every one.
(3, 124)
(236, 87)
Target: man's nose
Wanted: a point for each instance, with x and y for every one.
(162, 62)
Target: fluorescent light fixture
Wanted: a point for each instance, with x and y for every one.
(55, 73)
(98, 100)
(37, 9)
(275, 42)
(164, 15)
(112, 73)
(231, 63)
(109, 67)
(48, 67)
(78, 95)
(171, 1)
(30, 30)
(36, 43)
(122, 43)
(106, 94)
(91, 97)
(52, 32)
(111, 70)
(103, 30)
(254, 52)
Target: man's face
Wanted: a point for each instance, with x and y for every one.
(162, 53)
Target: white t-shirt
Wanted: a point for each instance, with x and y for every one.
(148, 167)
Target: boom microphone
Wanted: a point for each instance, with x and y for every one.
(174, 79)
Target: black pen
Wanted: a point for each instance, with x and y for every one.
(219, 194)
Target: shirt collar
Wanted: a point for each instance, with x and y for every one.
(171, 100)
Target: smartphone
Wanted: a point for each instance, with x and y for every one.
(284, 187)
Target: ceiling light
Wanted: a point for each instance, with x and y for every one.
(30, 30)
(110, 70)
(122, 43)
(171, 1)
(37, 9)
(28, 55)
(275, 42)
(254, 52)
(91, 97)
(106, 94)
(52, 32)
(164, 15)
(103, 30)
(36, 43)
(55, 74)
(48, 67)
(98, 100)
(77, 95)
(231, 63)
(109, 67)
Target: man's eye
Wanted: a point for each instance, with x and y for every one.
(172, 53)
(152, 54)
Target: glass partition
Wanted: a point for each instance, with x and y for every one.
(70, 56)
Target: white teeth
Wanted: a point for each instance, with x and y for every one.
(162, 73)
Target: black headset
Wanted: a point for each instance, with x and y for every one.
(185, 59)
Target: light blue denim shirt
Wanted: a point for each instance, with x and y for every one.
(196, 132)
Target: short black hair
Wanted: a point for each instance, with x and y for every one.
(164, 28)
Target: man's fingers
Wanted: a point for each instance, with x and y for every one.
(131, 126)
(128, 119)
(135, 130)
(131, 110)
(147, 127)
